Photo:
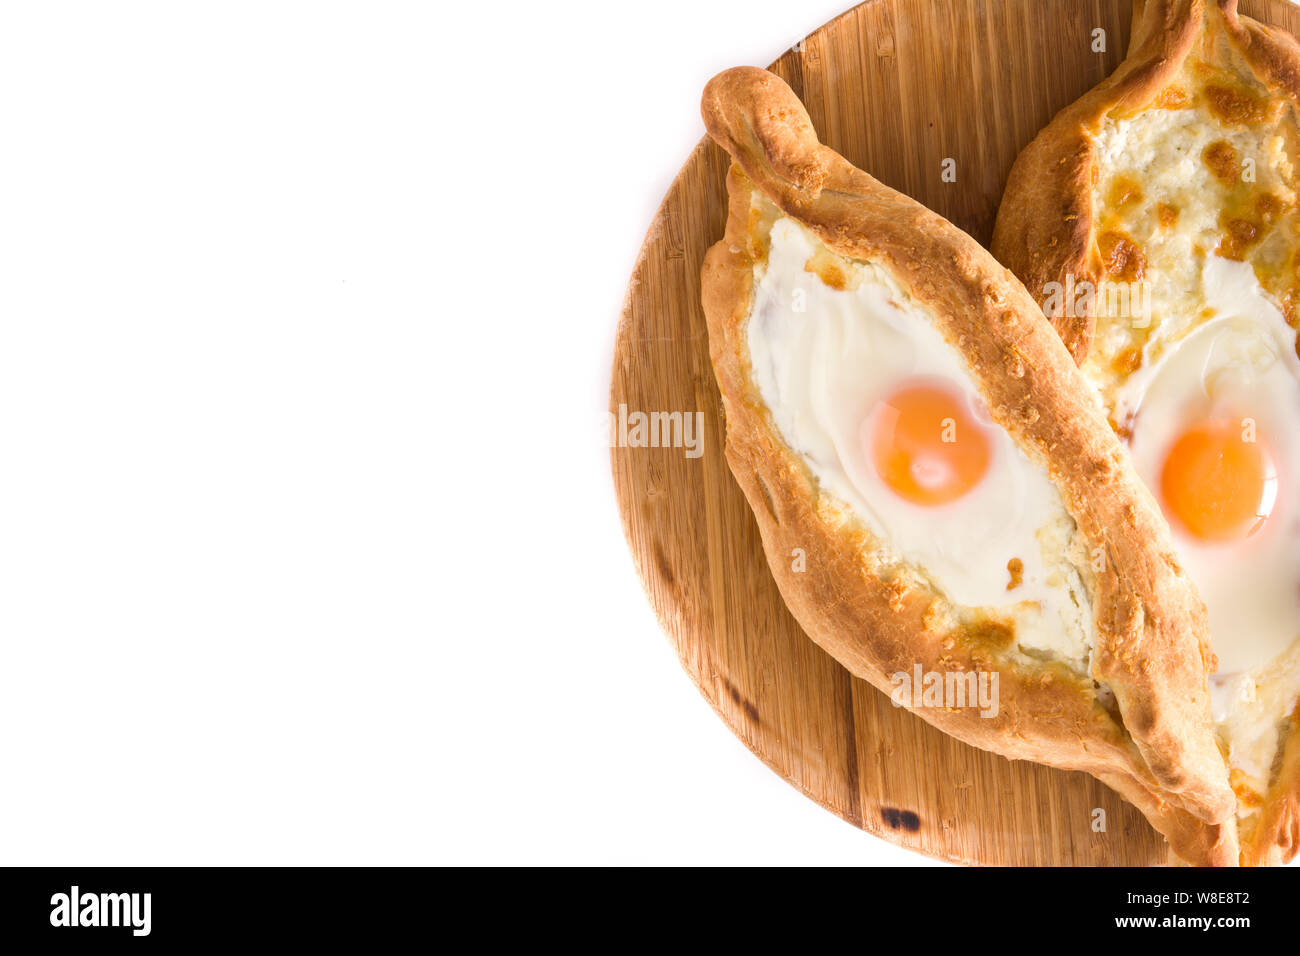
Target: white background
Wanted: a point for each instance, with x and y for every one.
(308, 546)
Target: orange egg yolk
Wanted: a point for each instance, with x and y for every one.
(1217, 484)
(926, 445)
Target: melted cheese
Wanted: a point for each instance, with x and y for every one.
(1212, 221)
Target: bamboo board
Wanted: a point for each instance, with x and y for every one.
(897, 87)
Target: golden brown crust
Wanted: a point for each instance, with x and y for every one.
(1148, 616)
(1044, 228)
(1045, 232)
(1191, 840)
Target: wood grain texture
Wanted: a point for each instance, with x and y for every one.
(897, 87)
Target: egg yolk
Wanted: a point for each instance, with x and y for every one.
(1218, 485)
(925, 444)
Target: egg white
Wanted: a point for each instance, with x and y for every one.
(1240, 364)
(1241, 354)
(824, 358)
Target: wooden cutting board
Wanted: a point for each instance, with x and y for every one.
(898, 87)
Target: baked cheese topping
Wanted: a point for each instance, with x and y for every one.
(1196, 219)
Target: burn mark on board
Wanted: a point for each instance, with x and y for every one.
(743, 702)
(897, 819)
